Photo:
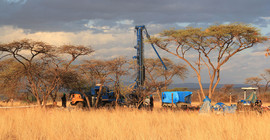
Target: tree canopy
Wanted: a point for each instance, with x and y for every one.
(211, 47)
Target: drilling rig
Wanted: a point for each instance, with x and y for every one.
(140, 55)
(137, 97)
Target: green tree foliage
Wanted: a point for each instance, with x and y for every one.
(211, 47)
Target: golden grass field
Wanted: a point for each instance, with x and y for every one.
(128, 124)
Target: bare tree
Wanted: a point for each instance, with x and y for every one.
(74, 51)
(254, 81)
(118, 69)
(11, 76)
(72, 79)
(266, 77)
(224, 94)
(158, 77)
(98, 71)
(212, 47)
(227, 88)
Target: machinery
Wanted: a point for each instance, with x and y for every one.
(137, 96)
(77, 99)
(140, 56)
(107, 98)
(249, 103)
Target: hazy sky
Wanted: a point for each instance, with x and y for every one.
(108, 25)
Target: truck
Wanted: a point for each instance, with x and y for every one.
(107, 98)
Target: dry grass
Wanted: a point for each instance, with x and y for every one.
(122, 124)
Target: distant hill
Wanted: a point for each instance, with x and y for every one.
(205, 85)
(196, 85)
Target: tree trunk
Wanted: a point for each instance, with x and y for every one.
(53, 98)
(117, 90)
(87, 99)
(44, 102)
(199, 96)
(117, 97)
(266, 87)
(38, 100)
(158, 93)
(201, 87)
(99, 94)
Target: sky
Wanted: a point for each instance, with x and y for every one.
(108, 26)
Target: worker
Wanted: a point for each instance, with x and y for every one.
(151, 102)
(64, 100)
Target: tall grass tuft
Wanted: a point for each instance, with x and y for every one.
(123, 124)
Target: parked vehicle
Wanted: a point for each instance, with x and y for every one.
(250, 103)
(107, 97)
(179, 99)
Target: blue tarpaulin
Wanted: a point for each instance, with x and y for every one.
(206, 106)
(218, 106)
(222, 108)
(178, 96)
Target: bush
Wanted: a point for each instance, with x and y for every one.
(179, 89)
(265, 97)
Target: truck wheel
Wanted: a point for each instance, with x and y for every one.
(79, 105)
(108, 106)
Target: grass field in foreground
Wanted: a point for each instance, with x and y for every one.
(125, 124)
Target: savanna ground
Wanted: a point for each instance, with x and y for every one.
(124, 123)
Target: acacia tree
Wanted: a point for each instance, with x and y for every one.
(118, 69)
(254, 81)
(266, 77)
(72, 79)
(257, 81)
(74, 51)
(97, 71)
(211, 47)
(159, 77)
(11, 76)
(41, 65)
(27, 52)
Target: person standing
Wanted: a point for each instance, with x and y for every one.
(151, 102)
(64, 101)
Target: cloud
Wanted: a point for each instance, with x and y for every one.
(68, 15)
(9, 33)
(113, 43)
(117, 42)
(16, 1)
